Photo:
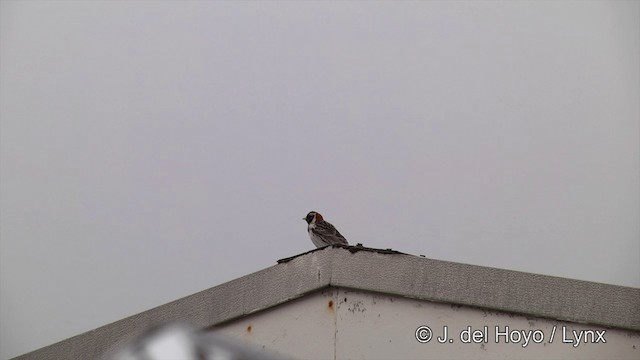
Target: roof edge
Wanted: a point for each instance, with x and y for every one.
(376, 270)
(509, 291)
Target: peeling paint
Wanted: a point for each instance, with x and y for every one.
(357, 306)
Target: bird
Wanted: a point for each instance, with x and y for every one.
(321, 232)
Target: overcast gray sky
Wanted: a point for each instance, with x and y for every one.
(150, 150)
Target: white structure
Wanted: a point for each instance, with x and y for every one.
(359, 303)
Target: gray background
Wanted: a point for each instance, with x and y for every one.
(150, 150)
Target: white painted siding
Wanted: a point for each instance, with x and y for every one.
(340, 323)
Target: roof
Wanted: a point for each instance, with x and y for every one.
(376, 270)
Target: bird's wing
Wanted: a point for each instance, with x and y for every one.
(328, 232)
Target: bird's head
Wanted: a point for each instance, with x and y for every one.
(312, 217)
